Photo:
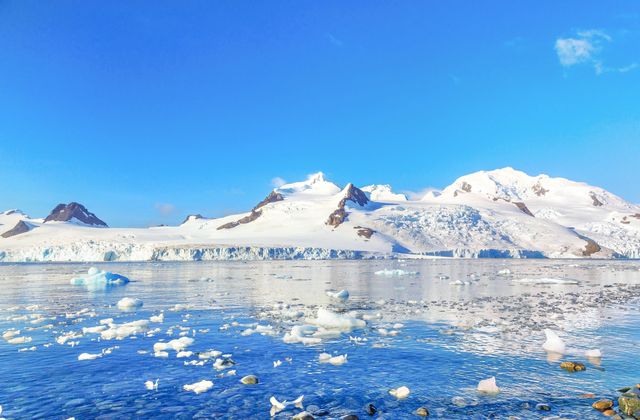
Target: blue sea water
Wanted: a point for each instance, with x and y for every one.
(450, 337)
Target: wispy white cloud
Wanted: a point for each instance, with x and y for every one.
(165, 209)
(278, 182)
(585, 48)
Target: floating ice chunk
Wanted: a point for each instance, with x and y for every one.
(94, 330)
(98, 279)
(199, 387)
(277, 406)
(151, 385)
(177, 344)
(400, 393)
(182, 354)
(459, 283)
(302, 334)
(395, 273)
(593, 353)
(277, 363)
(10, 334)
(211, 354)
(90, 356)
(488, 386)
(554, 344)
(222, 364)
(19, 340)
(504, 272)
(157, 318)
(129, 304)
(335, 360)
(545, 280)
(332, 320)
(342, 295)
(125, 330)
(161, 354)
(106, 321)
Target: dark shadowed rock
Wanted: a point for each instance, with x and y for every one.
(353, 194)
(596, 202)
(255, 212)
(466, 187)
(539, 190)
(192, 217)
(271, 198)
(20, 227)
(365, 232)
(68, 212)
(523, 208)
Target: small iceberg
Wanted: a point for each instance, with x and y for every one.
(488, 386)
(129, 304)
(400, 393)
(199, 387)
(99, 279)
(177, 345)
(151, 385)
(593, 354)
(277, 406)
(554, 343)
(90, 356)
(335, 360)
(342, 295)
(504, 272)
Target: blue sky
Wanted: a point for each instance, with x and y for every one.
(146, 111)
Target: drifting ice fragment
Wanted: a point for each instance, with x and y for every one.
(151, 386)
(342, 295)
(98, 279)
(277, 406)
(400, 393)
(594, 353)
(554, 344)
(128, 304)
(199, 387)
(488, 386)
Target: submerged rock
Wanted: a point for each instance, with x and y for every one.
(422, 412)
(630, 405)
(371, 409)
(249, 380)
(573, 366)
(303, 416)
(543, 407)
(602, 405)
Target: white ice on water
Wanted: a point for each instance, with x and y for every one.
(342, 295)
(400, 393)
(395, 273)
(199, 387)
(99, 279)
(554, 343)
(545, 280)
(488, 386)
(128, 304)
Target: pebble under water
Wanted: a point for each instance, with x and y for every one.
(436, 326)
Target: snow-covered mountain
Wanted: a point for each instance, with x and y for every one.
(500, 213)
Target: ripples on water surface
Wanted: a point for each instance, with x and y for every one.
(451, 337)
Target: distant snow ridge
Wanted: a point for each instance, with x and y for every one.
(501, 213)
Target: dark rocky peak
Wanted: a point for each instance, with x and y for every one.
(595, 200)
(71, 211)
(271, 198)
(192, 217)
(523, 208)
(355, 195)
(20, 227)
(13, 211)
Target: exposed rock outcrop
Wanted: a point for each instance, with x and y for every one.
(192, 217)
(365, 232)
(466, 187)
(523, 208)
(596, 202)
(20, 227)
(353, 194)
(539, 190)
(68, 212)
(591, 248)
(255, 212)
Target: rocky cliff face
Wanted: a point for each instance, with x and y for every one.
(74, 212)
(21, 227)
(353, 194)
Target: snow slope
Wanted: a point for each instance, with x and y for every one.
(501, 213)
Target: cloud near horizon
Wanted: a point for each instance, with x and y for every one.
(585, 48)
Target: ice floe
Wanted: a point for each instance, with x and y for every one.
(333, 360)
(400, 393)
(151, 385)
(122, 331)
(99, 279)
(341, 295)
(199, 387)
(488, 386)
(178, 344)
(277, 406)
(129, 304)
(554, 343)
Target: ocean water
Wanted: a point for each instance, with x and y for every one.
(423, 332)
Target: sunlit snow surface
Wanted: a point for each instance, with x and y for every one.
(421, 332)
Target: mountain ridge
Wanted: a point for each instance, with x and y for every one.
(499, 213)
